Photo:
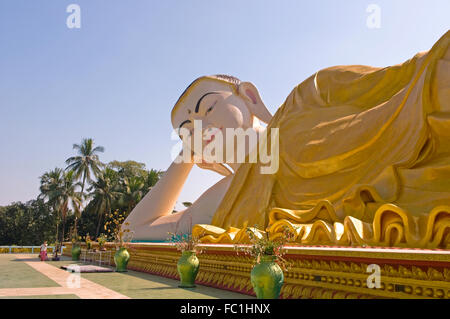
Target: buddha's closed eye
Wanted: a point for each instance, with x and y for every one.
(210, 108)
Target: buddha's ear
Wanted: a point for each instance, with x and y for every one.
(250, 94)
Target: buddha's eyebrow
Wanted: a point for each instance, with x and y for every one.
(198, 103)
(184, 122)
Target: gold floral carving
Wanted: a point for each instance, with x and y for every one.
(391, 227)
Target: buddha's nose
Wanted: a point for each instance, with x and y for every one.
(208, 127)
(204, 122)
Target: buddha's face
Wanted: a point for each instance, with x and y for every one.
(216, 106)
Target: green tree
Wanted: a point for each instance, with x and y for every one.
(132, 181)
(103, 195)
(132, 191)
(67, 196)
(27, 223)
(152, 178)
(128, 168)
(84, 163)
(50, 182)
(117, 186)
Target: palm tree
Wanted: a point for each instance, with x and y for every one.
(70, 197)
(133, 189)
(60, 189)
(152, 178)
(85, 162)
(50, 182)
(103, 195)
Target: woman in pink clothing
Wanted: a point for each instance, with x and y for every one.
(43, 253)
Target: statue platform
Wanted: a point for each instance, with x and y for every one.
(319, 272)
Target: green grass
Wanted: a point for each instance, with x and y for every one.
(15, 273)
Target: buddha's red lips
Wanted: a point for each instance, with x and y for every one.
(212, 137)
(210, 140)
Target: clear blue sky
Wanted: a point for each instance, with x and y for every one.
(117, 78)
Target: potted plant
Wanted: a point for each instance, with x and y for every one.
(188, 264)
(101, 242)
(122, 237)
(76, 248)
(267, 274)
(88, 242)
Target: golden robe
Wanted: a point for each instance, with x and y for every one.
(364, 160)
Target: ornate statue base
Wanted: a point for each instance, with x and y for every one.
(320, 272)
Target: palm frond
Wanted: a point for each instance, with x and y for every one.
(98, 149)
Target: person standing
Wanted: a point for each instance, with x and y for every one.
(43, 253)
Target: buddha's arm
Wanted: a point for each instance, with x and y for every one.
(201, 212)
(161, 199)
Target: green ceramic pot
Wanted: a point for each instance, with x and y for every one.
(76, 251)
(267, 278)
(188, 266)
(121, 258)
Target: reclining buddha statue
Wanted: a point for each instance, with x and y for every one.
(363, 159)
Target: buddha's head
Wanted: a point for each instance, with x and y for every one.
(219, 102)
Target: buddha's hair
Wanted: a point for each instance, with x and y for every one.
(227, 78)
